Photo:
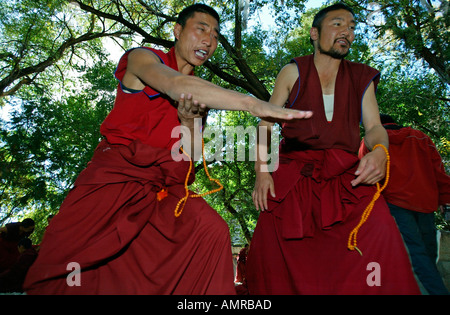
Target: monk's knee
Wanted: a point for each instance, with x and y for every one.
(212, 224)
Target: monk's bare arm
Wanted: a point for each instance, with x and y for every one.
(283, 85)
(264, 182)
(145, 68)
(372, 167)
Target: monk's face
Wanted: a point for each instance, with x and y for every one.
(27, 230)
(197, 40)
(336, 35)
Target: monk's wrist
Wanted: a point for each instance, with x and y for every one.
(261, 167)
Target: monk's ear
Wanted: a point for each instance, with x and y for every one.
(177, 30)
(314, 33)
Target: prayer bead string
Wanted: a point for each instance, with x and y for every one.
(183, 200)
(352, 243)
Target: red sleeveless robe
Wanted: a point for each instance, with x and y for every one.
(113, 226)
(300, 244)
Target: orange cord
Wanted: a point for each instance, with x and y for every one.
(352, 237)
(183, 200)
(162, 194)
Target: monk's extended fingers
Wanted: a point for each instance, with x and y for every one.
(269, 111)
(297, 114)
(365, 177)
(263, 200)
(374, 177)
(258, 199)
(288, 114)
(272, 189)
(358, 172)
(188, 104)
(203, 110)
(269, 188)
(181, 103)
(358, 180)
(367, 174)
(254, 197)
(181, 100)
(262, 194)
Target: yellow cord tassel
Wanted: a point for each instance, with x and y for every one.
(182, 202)
(352, 243)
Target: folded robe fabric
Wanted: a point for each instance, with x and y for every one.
(128, 242)
(300, 242)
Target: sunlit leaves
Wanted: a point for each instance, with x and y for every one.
(59, 104)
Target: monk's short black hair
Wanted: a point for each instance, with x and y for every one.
(189, 11)
(386, 119)
(27, 223)
(320, 16)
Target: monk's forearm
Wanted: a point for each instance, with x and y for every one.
(150, 71)
(376, 135)
(213, 96)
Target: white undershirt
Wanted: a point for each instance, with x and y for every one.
(328, 101)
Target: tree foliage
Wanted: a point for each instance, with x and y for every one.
(57, 80)
(412, 28)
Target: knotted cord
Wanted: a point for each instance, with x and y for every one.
(183, 200)
(352, 242)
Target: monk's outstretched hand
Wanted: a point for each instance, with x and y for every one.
(263, 185)
(270, 112)
(188, 109)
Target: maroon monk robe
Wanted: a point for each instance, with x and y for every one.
(300, 243)
(240, 267)
(124, 239)
(12, 279)
(8, 245)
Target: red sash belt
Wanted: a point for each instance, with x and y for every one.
(315, 186)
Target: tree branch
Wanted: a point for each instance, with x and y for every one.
(17, 73)
(129, 25)
(253, 85)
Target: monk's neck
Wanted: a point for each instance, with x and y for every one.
(182, 64)
(184, 67)
(327, 68)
